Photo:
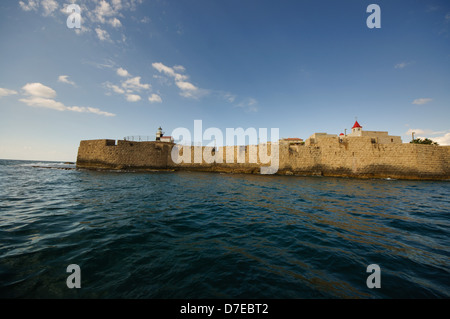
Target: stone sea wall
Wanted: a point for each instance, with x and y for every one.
(106, 154)
(359, 157)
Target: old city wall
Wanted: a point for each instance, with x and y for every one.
(360, 157)
(106, 154)
(235, 159)
(330, 156)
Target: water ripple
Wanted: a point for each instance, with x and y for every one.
(203, 235)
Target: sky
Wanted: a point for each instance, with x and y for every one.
(302, 66)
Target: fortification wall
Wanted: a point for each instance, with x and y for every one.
(329, 156)
(360, 157)
(236, 159)
(107, 154)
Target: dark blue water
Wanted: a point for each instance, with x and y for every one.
(207, 235)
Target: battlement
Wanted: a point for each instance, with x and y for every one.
(326, 155)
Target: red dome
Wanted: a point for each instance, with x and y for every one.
(356, 125)
(341, 134)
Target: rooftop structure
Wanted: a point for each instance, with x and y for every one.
(161, 138)
(378, 137)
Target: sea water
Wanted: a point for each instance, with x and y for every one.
(210, 235)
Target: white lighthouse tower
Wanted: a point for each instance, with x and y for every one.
(161, 138)
(159, 134)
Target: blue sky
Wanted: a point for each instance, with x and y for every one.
(300, 66)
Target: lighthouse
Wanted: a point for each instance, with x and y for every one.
(159, 134)
(161, 138)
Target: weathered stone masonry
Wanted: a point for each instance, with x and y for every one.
(361, 157)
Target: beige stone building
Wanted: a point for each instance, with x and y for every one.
(316, 137)
(376, 137)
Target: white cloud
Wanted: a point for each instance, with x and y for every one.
(400, 65)
(64, 79)
(49, 6)
(39, 90)
(115, 88)
(252, 102)
(422, 101)
(441, 137)
(82, 30)
(122, 72)
(44, 102)
(42, 96)
(442, 140)
(418, 131)
(186, 86)
(103, 35)
(155, 98)
(103, 10)
(102, 16)
(89, 110)
(188, 89)
(179, 68)
(55, 105)
(249, 105)
(133, 98)
(403, 64)
(115, 22)
(229, 97)
(128, 87)
(31, 5)
(107, 64)
(117, 4)
(6, 92)
(161, 68)
(131, 4)
(134, 84)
